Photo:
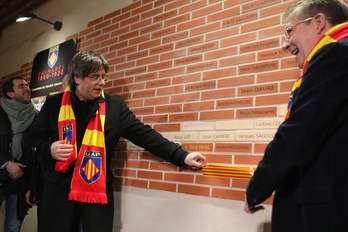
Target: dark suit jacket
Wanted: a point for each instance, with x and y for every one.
(306, 162)
(120, 121)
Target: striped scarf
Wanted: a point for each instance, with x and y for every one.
(333, 35)
(88, 180)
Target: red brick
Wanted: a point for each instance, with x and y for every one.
(161, 49)
(135, 103)
(173, 55)
(148, 60)
(202, 66)
(142, 9)
(177, 20)
(136, 183)
(183, 117)
(260, 24)
(130, 21)
(216, 94)
(143, 111)
(222, 34)
(232, 147)
(125, 66)
(102, 24)
(236, 81)
(195, 190)
(231, 3)
(258, 4)
(125, 172)
(202, 147)
(150, 175)
(127, 50)
(233, 103)
(200, 86)
(137, 164)
(205, 29)
(272, 54)
(236, 20)
(258, 89)
(187, 178)
(221, 53)
(203, 48)
(236, 40)
(189, 42)
(171, 72)
(186, 78)
(162, 186)
(198, 106)
(276, 9)
(95, 21)
(143, 94)
(164, 32)
(271, 32)
(194, 6)
(167, 127)
(118, 46)
(121, 17)
(148, 156)
(162, 166)
(247, 159)
(207, 10)
(286, 86)
(150, 44)
(152, 13)
(224, 14)
(240, 183)
(214, 158)
(141, 24)
(160, 66)
(165, 16)
(288, 63)
(213, 115)
(146, 77)
(162, 2)
(175, 37)
(272, 100)
(169, 108)
(136, 71)
(139, 39)
(191, 24)
(259, 45)
(131, 6)
(153, 27)
(258, 67)
(176, 4)
(137, 55)
(112, 14)
(156, 101)
(129, 35)
(157, 83)
(185, 98)
(170, 90)
(260, 148)
(228, 194)
(215, 181)
(188, 60)
(291, 74)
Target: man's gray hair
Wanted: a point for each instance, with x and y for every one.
(335, 11)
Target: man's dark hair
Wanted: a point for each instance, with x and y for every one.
(7, 86)
(84, 63)
(335, 11)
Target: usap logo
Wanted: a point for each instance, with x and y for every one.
(91, 166)
(53, 56)
(67, 134)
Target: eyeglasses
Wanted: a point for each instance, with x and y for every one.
(97, 77)
(290, 29)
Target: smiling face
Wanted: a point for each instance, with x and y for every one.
(21, 91)
(302, 38)
(91, 86)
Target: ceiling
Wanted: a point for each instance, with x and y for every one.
(10, 9)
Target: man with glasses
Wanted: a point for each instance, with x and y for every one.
(306, 162)
(75, 136)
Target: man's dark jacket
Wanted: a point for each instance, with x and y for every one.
(120, 121)
(7, 185)
(306, 163)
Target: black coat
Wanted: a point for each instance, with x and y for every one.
(306, 162)
(120, 121)
(7, 185)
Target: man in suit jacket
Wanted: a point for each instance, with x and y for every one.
(75, 135)
(306, 162)
(16, 115)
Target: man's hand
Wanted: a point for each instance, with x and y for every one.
(27, 199)
(253, 209)
(195, 160)
(61, 151)
(14, 170)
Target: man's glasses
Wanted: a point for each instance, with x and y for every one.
(289, 30)
(97, 77)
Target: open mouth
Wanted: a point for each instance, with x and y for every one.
(293, 50)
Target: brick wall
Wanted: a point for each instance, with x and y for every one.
(208, 74)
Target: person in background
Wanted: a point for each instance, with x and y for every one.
(76, 132)
(306, 162)
(16, 115)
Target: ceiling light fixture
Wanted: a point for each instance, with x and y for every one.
(25, 17)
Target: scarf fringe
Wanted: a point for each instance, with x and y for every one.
(88, 197)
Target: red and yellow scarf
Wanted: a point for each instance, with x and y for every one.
(88, 181)
(333, 35)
